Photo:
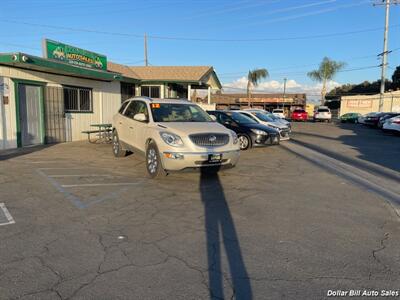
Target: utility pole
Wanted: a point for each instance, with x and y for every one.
(146, 62)
(384, 56)
(284, 94)
(385, 52)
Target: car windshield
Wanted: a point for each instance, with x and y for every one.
(272, 116)
(240, 118)
(264, 117)
(278, 111)
(323, 110)
(299, 111)
(175, 112)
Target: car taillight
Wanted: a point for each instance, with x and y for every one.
(396, 121)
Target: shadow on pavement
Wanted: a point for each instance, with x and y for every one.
(12, 153)
(373, 145)
(220, 231)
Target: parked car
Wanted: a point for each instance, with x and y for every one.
(283, 121)
(272, 116)
(174, 135)
(322, 113)
(299, 115)
(278, 112)
(264, 119)
(249, 132)
(392, 124)
(384, 118)
(361, 119)
(373, 119)
(350, 118)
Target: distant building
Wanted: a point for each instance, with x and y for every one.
(364, 104)
(265, 101)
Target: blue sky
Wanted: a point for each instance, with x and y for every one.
(218, 29)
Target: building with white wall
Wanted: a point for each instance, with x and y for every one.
(48, 100)
(364, 104)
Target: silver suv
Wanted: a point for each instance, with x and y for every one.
(174, 135)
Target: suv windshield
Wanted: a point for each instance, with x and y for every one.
(277, 111)
(168, 112)
(240, 118)
(323, 110)
(299, 111)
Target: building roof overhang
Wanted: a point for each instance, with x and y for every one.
(35, 63)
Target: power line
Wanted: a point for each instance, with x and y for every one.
(300, 72)
(160, 37)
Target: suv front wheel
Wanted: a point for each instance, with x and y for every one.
(153, 162)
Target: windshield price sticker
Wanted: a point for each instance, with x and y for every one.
(155, 105)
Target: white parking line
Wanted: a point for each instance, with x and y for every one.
(43, 162)
(82, 175)
(98, 184)
(7, 215)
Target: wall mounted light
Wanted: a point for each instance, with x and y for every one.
(25, 58)
(14, 57)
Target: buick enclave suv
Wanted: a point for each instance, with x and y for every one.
(174, 135)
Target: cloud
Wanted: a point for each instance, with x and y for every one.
(273, 86)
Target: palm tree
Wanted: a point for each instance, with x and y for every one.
(253, 79)
(327, 70)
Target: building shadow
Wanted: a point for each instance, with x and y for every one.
(16, 152)
(221, 234)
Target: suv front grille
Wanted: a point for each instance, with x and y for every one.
(209, 139)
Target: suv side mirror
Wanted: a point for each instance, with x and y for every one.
(140, 117)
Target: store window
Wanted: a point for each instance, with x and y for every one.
(127, 91)
(152, 91)
(78, 99)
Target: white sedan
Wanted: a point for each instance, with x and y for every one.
(392, 124)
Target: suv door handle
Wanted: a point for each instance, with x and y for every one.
(130, 127)
(120, 122)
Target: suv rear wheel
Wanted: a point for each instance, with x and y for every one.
(153, 162)
(116, 145)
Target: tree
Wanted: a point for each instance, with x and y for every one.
(396, 79)
(327, 70)
(253, 79)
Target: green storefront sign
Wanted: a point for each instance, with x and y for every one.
(73, 55)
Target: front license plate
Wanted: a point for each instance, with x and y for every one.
(214, 158)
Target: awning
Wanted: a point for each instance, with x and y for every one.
(25, 61)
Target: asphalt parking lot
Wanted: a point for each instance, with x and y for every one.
(294, 221)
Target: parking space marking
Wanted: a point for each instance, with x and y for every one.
(76, 201)
(43, 162)
(7, 215)
(82, 175)
(98, 184)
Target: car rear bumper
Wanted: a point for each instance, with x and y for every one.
(300, 118)
(176, 161)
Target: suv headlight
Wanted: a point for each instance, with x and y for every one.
(234, 137)
(260, 132)
(171, 139)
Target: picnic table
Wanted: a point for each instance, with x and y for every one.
(103, 133)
